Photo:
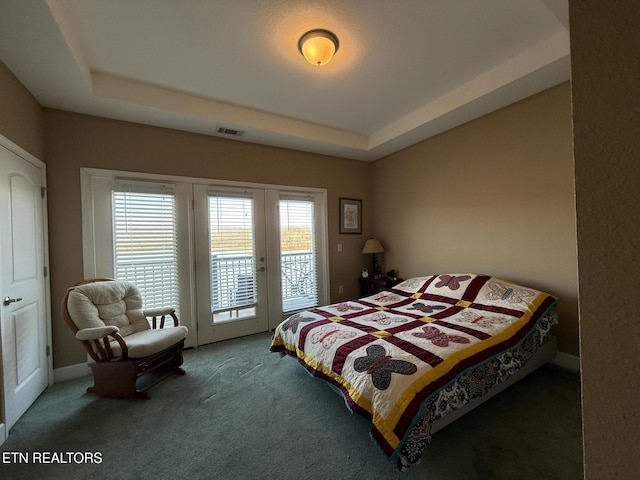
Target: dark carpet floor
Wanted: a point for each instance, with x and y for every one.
(244, 413)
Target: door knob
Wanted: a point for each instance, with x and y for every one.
(260, 270)
(8, 301)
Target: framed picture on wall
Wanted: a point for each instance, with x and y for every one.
(350, 215)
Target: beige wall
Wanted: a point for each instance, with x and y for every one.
(73, 141)
(493, 196)
(21, 118)
(606, 117)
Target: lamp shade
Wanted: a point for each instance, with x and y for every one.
(372, 246)
(318, 46)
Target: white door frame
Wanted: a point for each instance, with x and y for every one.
(26, 156)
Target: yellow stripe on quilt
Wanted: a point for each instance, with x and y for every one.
(277, 341)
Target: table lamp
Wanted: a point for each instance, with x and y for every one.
(374, 247)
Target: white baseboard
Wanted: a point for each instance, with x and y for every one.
(565, 360)
(70, 372)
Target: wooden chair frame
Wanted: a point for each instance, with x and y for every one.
(117, 376)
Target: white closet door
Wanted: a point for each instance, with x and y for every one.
(23, 298)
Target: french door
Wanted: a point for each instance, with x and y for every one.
(233, 259)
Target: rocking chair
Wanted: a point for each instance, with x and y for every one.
(107, 317)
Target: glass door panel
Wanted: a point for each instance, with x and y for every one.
(233, 263)
(299, 282)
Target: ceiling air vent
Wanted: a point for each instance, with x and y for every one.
(230, 131)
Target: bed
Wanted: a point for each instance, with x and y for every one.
(417, 356)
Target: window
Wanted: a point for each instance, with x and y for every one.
(299, 283)
(145, 244)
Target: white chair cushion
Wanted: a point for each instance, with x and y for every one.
(113, 303)
(148, 342)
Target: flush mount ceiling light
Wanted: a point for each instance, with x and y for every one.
(318, 46)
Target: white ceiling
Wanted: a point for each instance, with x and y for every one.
(405, 70)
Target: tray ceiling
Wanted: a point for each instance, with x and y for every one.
(405, 70)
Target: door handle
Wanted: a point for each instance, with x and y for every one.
(8, 301)
(262, 269)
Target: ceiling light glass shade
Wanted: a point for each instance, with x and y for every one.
(372, 246)
(318, 46)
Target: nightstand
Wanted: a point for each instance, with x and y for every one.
(371, 286)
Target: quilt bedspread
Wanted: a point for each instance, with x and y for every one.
(397, 354)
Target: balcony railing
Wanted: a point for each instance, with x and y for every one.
(157, 282)
(233, 281)
(299, 284)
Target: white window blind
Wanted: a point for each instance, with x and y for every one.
(233, 265)
(145, 243)
(298, 253)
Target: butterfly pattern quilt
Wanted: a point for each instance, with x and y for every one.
(407, 356)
